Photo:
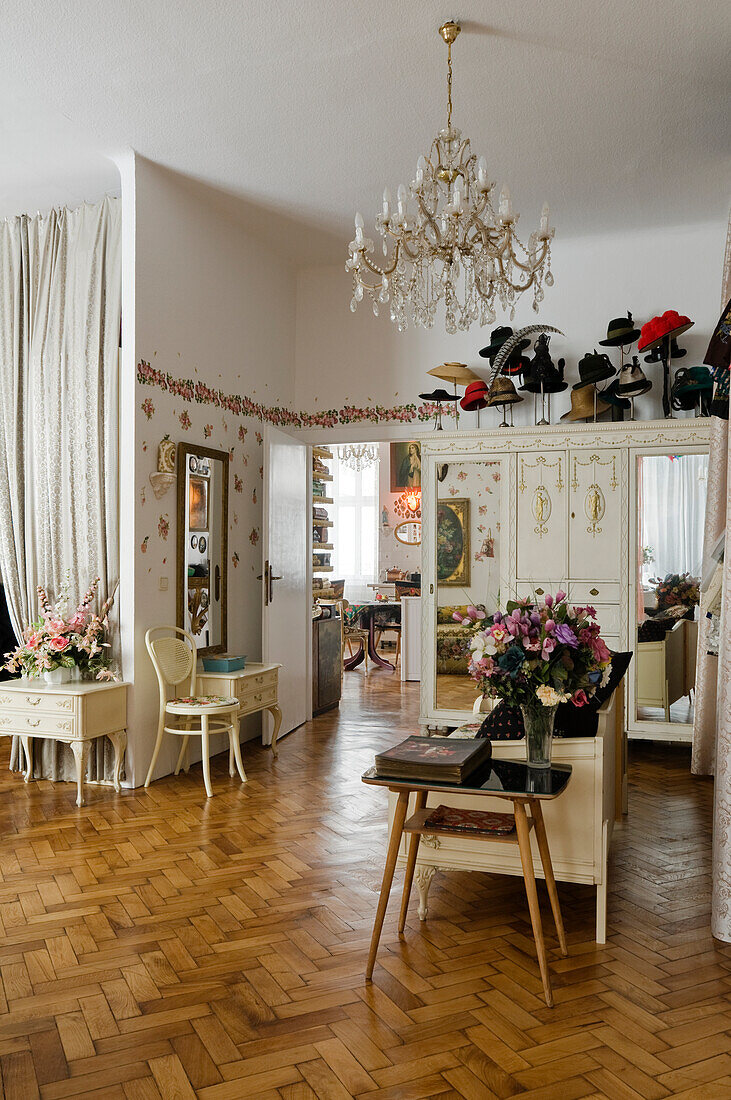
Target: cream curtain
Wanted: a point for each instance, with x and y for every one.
(60, 308)
(712, 726)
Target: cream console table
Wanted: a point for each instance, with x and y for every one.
(256, 687)
(74, 713)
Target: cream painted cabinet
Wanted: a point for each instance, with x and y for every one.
(595, 530)
(541, 508)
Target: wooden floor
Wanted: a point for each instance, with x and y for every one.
(156, 944)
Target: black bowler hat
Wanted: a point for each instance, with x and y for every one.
(594, 367)
(655, 355)
(620, 331)
(498, 337)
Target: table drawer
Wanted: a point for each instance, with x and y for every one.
(39, 724)
(36, 702)
(256, 700)
(593, 592)
(255, 683)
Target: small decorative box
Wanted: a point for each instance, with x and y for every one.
(224, 662)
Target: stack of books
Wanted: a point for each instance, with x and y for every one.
(433, 758)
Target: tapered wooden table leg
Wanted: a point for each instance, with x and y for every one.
(537, 812)
(396, 830)
(411, 863)
(526, 859)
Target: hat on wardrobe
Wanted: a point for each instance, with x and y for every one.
(620, 331)
(475, 396)
(438, 396)
(498, 337)
(632, 381)
(594, 367)
(655, 355)
(611, 396)
(582, 404)
(502, 392)
(459, 373)
(670, 323)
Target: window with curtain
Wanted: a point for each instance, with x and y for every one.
(355, 531)
(673, 505)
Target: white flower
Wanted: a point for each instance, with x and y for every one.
(485, 643)
(549, 696)
(605, 676)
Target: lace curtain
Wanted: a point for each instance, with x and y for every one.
(60, 308)
(712, 726)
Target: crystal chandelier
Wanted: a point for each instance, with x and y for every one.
(358, 456)
(453, 247)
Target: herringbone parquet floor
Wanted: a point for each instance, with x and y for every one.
(159, 945)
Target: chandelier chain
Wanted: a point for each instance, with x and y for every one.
(449, 85)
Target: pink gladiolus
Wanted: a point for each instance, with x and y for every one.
(579, 698)
(57, 624)
(549, 626)
(34, 640)
(560, 595)
(548, 601)
(59, 643)
(549, 644)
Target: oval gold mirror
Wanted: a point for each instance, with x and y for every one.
(409, 533)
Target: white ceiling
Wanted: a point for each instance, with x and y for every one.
(616, 111)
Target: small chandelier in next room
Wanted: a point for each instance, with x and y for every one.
(358, 456)
(446, 242)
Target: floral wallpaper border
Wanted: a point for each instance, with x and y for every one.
(278, 415)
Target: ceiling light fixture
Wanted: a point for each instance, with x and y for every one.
(454, 247)
(358, 456)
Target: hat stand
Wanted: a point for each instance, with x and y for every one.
(632, 409)
(542, 421)
(438, 418)
(666, 358)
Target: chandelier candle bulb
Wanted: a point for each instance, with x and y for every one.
(543, 231)
(386, 205)
(506, 205)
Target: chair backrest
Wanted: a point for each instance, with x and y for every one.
(174, 656)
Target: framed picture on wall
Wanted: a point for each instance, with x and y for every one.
(405, 466)
(453, 542)
(198, 504)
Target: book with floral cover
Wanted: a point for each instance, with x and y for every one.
(437, 758)
(471, 821)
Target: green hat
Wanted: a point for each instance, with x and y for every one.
(620, 331)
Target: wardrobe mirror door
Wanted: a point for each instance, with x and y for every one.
(671, 505)
(467, 541)
(202, 545)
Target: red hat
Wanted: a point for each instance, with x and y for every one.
(474, 396)
(671, 324)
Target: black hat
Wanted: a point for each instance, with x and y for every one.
(594, 367)
(498, 337)
(690, 384)
(438, 396)
(655, 355)
(541, 374)
(620, 331)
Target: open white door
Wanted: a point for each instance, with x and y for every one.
(286, 599)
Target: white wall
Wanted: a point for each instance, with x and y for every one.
(345, 358)
(215, 306)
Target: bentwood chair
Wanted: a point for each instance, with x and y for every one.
(174, 656)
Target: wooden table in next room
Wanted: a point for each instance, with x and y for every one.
(366, 612)
(526, 788)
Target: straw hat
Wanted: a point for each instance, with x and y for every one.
(459, 373)
(582, 404)
(502, 392)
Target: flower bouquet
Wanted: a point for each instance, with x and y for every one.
(535, 656)
(676, 590)
(59, 643)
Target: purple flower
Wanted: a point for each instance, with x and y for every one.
(566, 636)
(535, 618)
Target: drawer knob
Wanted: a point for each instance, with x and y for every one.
(33, 722)
(32, 702)
(540, 591)
(593, 591)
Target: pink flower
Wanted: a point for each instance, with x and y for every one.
(549, 644)
(59, 643)
(532, 646)
(549, 626)
(34, 640)
(57, 624)
(579, 698)
(599, 649)
(498, 633)
(76, 622)
(548, 601)
(560, 595)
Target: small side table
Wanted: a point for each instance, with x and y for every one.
(74, 713)
(256, 687)
(526, 788)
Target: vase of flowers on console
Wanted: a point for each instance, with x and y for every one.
(536, 655)
(64, 644)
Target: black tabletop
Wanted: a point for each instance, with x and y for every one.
(506, 778)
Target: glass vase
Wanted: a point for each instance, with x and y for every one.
(538, 722)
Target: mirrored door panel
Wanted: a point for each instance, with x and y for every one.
(202, 542)
(671, 505)
(468, 542)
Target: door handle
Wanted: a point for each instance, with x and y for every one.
(217, 583)
(265, 577)
(272, 579)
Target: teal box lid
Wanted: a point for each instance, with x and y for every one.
(224, 662)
